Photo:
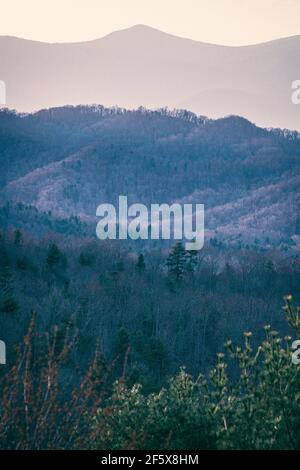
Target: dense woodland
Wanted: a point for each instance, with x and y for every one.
(174, 308)
(106, 340)
(69, 160)
(95, 360)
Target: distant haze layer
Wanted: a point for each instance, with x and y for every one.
(142, 66)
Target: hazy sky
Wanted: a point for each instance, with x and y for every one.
(232, 22)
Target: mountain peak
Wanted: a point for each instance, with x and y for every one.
(140, 28)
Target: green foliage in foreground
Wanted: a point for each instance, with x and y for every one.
(254, 406)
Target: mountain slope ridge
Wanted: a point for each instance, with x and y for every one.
(144, 66)
(247, 177)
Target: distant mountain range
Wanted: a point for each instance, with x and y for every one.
(144, 66)
(66, 161)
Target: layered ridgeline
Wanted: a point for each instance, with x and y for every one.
(142, 65)
(69, 160)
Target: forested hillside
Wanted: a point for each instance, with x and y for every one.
(98, 331)
(172, 309)
(69, 160)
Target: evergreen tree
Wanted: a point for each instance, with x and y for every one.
(9, 303)
(122, 342)
(176, 261)
(55, 257)
(18, 237)
(141, 266)
(86, 258)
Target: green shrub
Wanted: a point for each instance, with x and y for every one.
(254, 406)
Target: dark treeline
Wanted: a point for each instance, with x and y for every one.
(171, 308)
(85, 323)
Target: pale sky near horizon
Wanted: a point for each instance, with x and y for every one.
(229, 22)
